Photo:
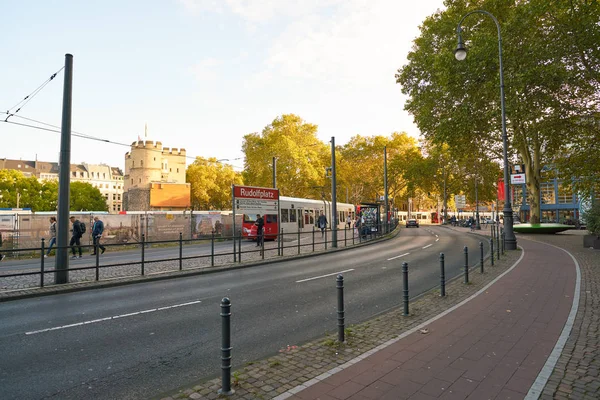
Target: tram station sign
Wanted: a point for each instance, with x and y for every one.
(255, 200)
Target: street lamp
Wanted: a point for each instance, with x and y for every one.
(460, 54)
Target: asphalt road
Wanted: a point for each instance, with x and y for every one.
(139, 341)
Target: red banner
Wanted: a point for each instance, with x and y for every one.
(501, 189)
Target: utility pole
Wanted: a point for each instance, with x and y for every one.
(385, 186)
(274, 172)
(64, 182)
(334, 222)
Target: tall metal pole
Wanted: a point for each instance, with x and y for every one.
(477, 225)
(64, 183)
(445, 204)
(334, 221)
(511, 240)
(274, 172)
(385, 186)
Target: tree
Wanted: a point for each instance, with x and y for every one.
(458, 103)
(43, 196)
(301, 157)
(85, 197)
(211, 184)
(361, 165)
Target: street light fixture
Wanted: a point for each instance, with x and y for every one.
(460, 54)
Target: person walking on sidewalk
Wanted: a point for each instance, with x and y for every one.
(76, 234)
(52, 241)
(322, 223)
(260, 230)
(97, 230)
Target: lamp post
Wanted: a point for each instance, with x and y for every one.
(477, 225)
(460, 54)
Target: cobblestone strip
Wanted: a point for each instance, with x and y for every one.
(577, 372)
(268, 378)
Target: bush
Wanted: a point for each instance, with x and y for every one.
(592, 219)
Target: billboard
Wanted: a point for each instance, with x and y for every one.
(175, 195)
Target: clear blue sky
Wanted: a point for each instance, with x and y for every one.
(203, 73)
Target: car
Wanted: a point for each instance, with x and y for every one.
(412, 222)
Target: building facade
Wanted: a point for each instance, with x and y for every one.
(155, 178)
(108, 180)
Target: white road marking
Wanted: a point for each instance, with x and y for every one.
(437, 239)
(429, 245)
(401, 255)
(323, 276)
(93, 321)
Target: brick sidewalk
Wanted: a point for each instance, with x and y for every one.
(576, 374)
(491, 347)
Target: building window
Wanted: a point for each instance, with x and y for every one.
(547, 193)
(518, 195)
(132, 181)
(104, 175)
(142, 163)
(114, 197)
(177, 170)
(132, 163)
(140, 180)
(74, 174)
(118, 197)
(565, 193)
(170, 170)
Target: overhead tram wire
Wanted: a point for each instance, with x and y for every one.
(30, 96)
(86, 136)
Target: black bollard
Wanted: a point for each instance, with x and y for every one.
(143, 247)
(466, 250)
(298, 240)
(481, 256)
(313, 238)
(226, 348)
(97, 262)
(442, 276)
(340, 306)
(498, 246)
(240, 247)
(42, 264)
(502, 241)
(262, 244)
(492, 251)
(180, 251)
(405, 282)
(212, 249)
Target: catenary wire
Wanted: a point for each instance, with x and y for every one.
(31, 95)
(90, 137)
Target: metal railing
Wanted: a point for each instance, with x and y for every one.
(19, 270)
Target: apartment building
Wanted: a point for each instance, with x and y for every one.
(109, 180)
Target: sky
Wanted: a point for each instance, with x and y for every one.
(201, 74)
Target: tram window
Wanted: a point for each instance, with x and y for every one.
(292, 215)
(311, 216)
(271, 219)
(285, 215)
(249, 218)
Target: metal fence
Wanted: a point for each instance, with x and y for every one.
(28, 267)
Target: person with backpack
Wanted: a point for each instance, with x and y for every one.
(77, 231)
(322, 223)
(260, 230)
(52, 241)
(97, 230)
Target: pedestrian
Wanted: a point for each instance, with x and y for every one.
(348, 221)
(260, 227)
(357, 225)
(97, 230)
(52, 231)
(2, 256)
(322, 223)
(76, 234)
